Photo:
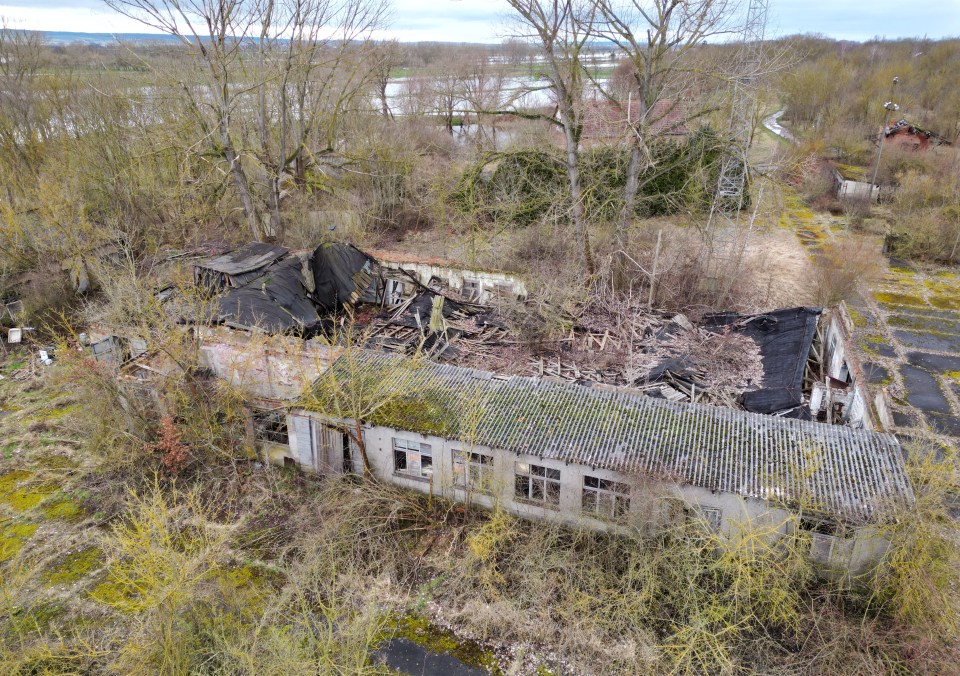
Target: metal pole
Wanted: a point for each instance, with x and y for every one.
(888, 107)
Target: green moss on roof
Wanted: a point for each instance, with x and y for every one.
(721, 449)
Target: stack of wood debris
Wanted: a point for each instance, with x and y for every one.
(669, 358)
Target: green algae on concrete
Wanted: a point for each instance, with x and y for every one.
(74, 566)
(12, 537)
(893, 298)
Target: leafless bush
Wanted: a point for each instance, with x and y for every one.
(844, 264)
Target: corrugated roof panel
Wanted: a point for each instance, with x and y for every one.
(851, 473)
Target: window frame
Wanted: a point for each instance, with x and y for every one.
(475, 284)
(271, 427)
(610, 499)
(403, 447)
(471, 474)
(712, 516)
(532, 476)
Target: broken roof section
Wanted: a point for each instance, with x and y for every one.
(343, 275)
(276, 301)
(237, 268)
(784, 337)
(266, 287)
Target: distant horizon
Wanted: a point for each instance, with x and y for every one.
(107, 37)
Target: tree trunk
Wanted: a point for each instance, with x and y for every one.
(620, 264)
(358, 432)
(243, 189)
(273, 203)
(576, 195)
(629, 196)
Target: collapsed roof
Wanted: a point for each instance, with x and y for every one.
(342, 275)
(266, 287)
(237, 268)
(784, 337)
(276, 301)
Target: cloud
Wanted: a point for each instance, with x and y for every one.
(484, 20)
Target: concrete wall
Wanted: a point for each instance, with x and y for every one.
(857, 190)
(653, 503)
(270, 367)
(454, 277)
(842, 363)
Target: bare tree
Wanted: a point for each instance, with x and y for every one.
(386, 56)
(658, 37)
(270, 70)
(561, 30)
(483, 84)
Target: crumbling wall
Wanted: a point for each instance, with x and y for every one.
(269, 367)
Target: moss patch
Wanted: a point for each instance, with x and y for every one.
(62, 506)
(23, 498)
(427, 635)
(946, 302)
(36, 619)
(14, 365)
(74, 566)
(58, 413)
(110, 593)
(248, 586)
(890, 298)
(12, 538)
(56, 460)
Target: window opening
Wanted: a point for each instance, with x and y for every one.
(412, 458)
(271, 427)
(472, 470)
(535, 483)
(604, 497)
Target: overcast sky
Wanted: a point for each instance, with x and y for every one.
(482, 20)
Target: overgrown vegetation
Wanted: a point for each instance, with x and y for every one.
(233, 569)
(525, 186)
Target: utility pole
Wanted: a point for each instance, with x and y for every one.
(724, 233)
(888, 107)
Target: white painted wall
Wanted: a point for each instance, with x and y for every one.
(652, 502)
(488, 281)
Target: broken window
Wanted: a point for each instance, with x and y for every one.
(271, 426)
(535, 483)
(825, 539)
(397, 291)
(472, 470)
(604, 497)
(412, 458)
(711, 516)
(472, 288)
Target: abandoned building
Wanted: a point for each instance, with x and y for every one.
(634, 426)
(598, 456)
(908, 136)
(850, 186)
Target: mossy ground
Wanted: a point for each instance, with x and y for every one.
(74, 566)
(425, 633)
(12, 538)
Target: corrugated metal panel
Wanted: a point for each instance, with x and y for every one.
(843, 471)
